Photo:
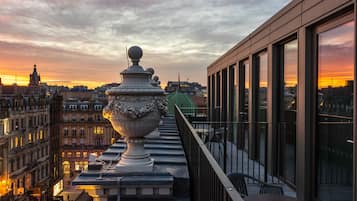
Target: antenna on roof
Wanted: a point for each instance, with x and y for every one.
(126, 52)
(179, 82)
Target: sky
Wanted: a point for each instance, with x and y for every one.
(83, 42)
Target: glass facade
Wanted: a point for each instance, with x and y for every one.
(244, 91)
(232, 94)
(260, 105)
(224, 105)
(334, 128)
(287, 114)
(324, 62)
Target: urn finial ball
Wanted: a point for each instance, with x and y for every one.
(135, 53)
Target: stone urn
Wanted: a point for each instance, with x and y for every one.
(134, 110)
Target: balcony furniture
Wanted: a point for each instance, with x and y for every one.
(239, 182)
(269, 197)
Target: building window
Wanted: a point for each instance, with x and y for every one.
(218, 96)
(66, 167)
(29, 138)
(74, 132)
(63, 154)
(98, 130)
(69, 154)
(224, 95)
(232, 87)
(41, 135)
(65, 132)
(81, 132)
(81, 165)
(78, 154)
(16, 141)
(244, 82)
(73, 107)
(85, 154)
(98, 141)
(334, 109)
(288, 71)
(84, 107)
(260, 87)
(98, 107)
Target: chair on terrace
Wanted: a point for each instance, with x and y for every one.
(239, 182)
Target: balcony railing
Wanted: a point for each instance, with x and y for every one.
(235, 150)
(208, 181)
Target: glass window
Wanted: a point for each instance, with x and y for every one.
(244, 90)
(287, 114)
(65, 132)
(224, 95)
(218, 97)
(260, 105)
(98, 130)
(232, 87)
(334, 129)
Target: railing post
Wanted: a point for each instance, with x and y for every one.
(266, 154)
(225, 148)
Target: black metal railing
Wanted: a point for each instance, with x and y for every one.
(195, 113)
(208, 181)
(234, 149)
(238, 147)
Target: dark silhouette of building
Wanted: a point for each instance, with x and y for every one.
(34, 78)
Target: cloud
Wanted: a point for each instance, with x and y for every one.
(176, 35)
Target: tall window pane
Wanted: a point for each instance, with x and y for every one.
(335, 112)
(244, 90)
(260, 105)
(287, 116)
(232, 93)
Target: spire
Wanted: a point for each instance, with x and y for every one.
(34, 77)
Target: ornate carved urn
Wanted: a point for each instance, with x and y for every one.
(134, 110)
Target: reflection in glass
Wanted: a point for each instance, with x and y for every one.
(261, 103)
(218, 98)
(224, 96)
(213, 91)
(287, 124)
(334, 113)
(232, 92)
(244, 90)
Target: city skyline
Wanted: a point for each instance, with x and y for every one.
(65, 38)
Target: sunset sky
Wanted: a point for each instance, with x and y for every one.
(83, 42)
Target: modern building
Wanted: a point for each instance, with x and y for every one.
(296, 75)
(83, 132)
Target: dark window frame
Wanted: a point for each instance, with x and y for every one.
(277, 82)
(329, 23)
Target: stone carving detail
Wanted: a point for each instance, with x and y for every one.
(134, 107)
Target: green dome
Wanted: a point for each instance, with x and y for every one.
(179, 99)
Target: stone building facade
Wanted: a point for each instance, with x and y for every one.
(25, 146)
(83, 132)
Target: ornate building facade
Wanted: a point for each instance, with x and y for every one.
(83, 132)
(25, 146)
